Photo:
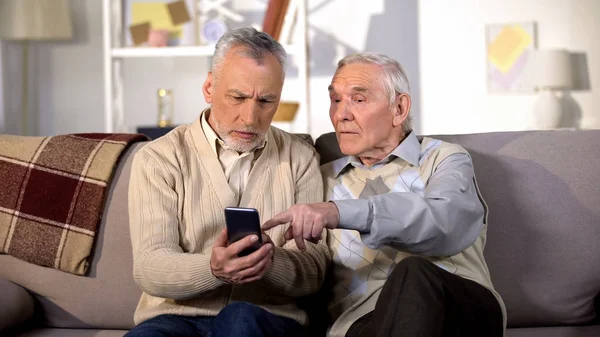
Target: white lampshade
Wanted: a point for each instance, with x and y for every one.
(35, 20)
(552, 69)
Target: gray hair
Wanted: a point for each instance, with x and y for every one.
(395, 80)
(256, 45)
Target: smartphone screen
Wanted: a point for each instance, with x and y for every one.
(242, 222)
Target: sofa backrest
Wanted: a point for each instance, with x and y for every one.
(107, 296)
(543, 192)
(542, 188)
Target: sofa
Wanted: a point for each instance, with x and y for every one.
(543, 244)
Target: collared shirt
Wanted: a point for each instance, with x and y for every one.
(409, 150)
(421, 199)
(236, 166)
(447, 202)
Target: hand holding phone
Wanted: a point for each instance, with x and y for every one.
(228, 261)
(240, 223)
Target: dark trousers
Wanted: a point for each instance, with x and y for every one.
(421, 299)
(236, 319)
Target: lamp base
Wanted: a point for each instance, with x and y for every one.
(548, 111)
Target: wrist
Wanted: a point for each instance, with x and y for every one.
(335, 215)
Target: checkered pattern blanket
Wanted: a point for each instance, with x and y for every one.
(52, 192)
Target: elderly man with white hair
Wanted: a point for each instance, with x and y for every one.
(407, 224)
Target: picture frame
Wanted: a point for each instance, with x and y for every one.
(509, 48)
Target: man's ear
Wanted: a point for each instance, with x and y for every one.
(401, 109)
(207, 88)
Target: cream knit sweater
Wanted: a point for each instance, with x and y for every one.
(177, 195)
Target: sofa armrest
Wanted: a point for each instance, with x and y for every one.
(16, 305)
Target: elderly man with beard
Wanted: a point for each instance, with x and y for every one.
(193, 282)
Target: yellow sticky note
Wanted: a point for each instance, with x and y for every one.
(157, 13)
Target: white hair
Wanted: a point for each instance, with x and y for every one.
(256, 46)
(395, 80)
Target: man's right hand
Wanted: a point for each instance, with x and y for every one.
(228, 267)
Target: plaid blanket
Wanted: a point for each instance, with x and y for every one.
(52, 192)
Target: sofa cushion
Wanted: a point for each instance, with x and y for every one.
(17, 305)
(544, 223)
(105, 298)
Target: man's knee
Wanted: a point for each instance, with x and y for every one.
(245, 315)
(245, 319)
(241, 310)
(238, 319)
(159, 326)
(412, 267)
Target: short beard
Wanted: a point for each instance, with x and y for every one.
(238, 144)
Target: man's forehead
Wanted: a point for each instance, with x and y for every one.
(355, 77)
(350, 86)
(241, 59)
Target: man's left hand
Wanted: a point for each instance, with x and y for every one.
(307, 221)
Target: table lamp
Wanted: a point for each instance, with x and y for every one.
(552, 73)
(27, 20)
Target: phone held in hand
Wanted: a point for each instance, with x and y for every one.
(242, 222)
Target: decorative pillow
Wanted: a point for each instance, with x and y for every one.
(17, 305)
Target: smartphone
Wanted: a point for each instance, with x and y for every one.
(242, 222)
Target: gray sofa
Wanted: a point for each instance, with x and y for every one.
(543, 250)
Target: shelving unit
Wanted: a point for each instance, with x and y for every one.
(115, 52)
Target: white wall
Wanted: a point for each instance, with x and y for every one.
(342, 27)
(11, 76)
(452, 50)
(65, 78)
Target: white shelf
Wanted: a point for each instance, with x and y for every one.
(186, 51)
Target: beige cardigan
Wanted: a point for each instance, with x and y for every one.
(177, 195)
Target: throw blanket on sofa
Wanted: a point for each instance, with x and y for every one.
(52, 192)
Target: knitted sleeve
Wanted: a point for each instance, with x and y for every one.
(161, 267)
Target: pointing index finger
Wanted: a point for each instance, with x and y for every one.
(279, 219)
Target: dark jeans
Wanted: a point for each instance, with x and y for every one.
(421, 299)
(236, 319)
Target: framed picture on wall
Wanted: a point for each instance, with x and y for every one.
(159, 23)
(509, 48)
